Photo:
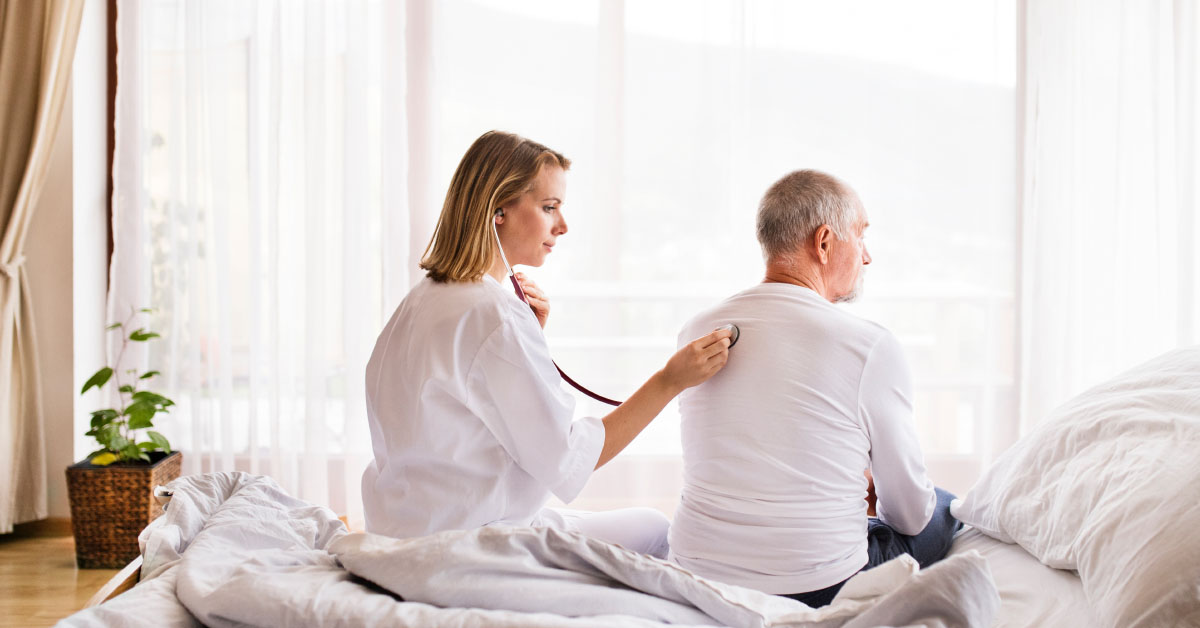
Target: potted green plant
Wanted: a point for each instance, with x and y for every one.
(112, 489)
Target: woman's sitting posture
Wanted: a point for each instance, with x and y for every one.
(469, 423)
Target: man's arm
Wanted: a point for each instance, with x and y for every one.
(905, 493)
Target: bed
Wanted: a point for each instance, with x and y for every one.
(1087, 521)
(1031, 594)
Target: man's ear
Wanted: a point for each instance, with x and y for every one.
(822, 239)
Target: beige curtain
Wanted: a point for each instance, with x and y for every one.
(37, 46)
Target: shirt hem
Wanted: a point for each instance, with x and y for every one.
(785, 585)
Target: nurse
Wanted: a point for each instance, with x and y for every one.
(469, 423)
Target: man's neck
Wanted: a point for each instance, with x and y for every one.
(790, 273)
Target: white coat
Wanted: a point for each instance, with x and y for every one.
(469, 423)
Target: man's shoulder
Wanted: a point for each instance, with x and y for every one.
(728, 310)
(782, 302)
(808, 324)
(786, 303)
(871, 336)
(871, 329)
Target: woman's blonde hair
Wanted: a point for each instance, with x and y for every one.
(496, 169)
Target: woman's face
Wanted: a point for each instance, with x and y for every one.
(532, 223)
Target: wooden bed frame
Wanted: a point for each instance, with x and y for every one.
(118, 584)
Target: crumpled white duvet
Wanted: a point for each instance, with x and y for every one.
(234, 550)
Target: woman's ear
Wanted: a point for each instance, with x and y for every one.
(499, 215)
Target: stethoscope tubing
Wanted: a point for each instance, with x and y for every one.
(521, 293)
(562, 373)
(567, 378)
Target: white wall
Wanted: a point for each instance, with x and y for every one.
(49, 264)
(67, 258)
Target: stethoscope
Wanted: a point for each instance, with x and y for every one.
(567, 378)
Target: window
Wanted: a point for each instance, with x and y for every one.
(273, 182)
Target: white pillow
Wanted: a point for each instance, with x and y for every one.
(1109, 485)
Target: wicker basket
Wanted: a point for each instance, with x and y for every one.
(111, 505)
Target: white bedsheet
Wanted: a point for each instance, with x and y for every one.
(234, 550)
(1031, 594)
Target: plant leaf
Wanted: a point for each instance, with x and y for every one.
(100, 418)
(99, 379)
(108, 436)
(127, 388)
(130, 451)
(148, 310)
(143, 456)
(118, 442)
(159, 440)
(103, 459)
(139, 406)
(141, 417)
(149, 375)
(141, 335)
(152, 398)
(113, 326)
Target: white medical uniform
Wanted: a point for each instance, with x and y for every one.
(775, 445)
(469, 424)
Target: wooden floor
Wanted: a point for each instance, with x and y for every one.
(39, 583)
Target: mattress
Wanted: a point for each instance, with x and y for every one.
(1031, 594)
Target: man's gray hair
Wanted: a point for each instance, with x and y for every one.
(795, 206)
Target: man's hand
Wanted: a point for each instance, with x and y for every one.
(537, 299)
(871, 499)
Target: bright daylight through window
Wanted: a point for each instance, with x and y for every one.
(275, 165)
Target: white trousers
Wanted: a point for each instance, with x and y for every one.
(642, 530)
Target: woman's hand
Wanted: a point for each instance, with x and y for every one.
(698, 360)
(537, 299)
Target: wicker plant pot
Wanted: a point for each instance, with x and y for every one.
(111, 505)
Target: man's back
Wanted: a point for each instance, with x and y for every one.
(776, 444)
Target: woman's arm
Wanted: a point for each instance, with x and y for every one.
(694, 363)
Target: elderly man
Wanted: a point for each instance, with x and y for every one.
(780, 447)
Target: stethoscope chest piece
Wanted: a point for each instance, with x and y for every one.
(737, 333)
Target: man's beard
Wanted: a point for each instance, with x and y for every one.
(855, 292)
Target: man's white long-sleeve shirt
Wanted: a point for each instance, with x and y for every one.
(775, 445)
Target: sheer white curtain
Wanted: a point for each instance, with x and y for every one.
(679, 114)
(261, 208)
(281, 164)
(1110, 273)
